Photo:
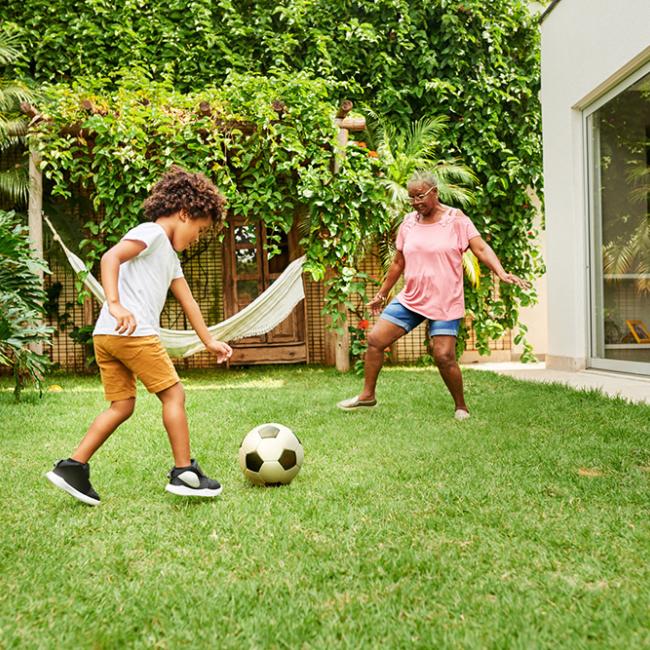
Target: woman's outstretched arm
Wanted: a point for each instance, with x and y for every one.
(487, 256)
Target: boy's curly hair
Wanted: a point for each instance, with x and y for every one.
(182, 190)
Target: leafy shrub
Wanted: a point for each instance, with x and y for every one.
(273, 164)
(476, 62)
(21, 304)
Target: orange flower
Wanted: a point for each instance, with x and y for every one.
(373, 154)
(363, 324)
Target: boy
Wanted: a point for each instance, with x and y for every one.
(136, 274)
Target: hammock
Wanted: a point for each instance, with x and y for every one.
(267, 311)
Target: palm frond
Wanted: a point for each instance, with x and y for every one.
(618, 257)
(397, 193)
(10, 102)
(386, 252)
(422, 136)
(643, 286)
(640, 194)
(385, 143)
(452, 170)
(629, 254)
(12, 129)
(452, 193)
(15, 89)
(472, 268)
(14, 184)
(8, 50)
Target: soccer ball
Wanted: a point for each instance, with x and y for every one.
(271, 454)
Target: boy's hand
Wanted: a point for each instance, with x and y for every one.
(125, 319)
(221, 349)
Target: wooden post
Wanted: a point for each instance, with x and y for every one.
(88, 313)
(342, 350)
(35, 215)
(337, 346)
(35, 205)
(341, 143)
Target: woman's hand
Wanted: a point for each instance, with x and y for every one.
(376, 303)
(126, 322)
(511, 278)
(221, 349)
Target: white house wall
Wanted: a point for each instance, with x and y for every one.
(587, 47)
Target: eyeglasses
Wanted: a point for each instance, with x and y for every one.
(420, 197)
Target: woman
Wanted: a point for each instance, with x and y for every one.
(430, 245)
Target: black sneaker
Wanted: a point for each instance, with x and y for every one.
(74, 477)
(190, 481)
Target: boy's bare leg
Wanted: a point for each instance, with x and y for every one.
(175, 421)
(102, 427)
(444, 353)
(383, 334)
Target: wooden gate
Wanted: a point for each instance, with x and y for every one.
(248, 272)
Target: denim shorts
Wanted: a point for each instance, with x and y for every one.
(396, 313)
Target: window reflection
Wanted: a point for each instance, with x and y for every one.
(245, 234)
(245, 260)
(620, 132)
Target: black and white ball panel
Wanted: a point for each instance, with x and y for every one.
(271, 454)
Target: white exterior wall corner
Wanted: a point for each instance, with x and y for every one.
(586, 45)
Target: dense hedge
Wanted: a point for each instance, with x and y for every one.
(269, 144)
(474, 61)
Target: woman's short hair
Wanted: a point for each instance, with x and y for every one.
(179, 190)
(423, 177)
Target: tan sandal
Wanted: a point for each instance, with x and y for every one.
(354, 403)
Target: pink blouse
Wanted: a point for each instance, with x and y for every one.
(433, 271)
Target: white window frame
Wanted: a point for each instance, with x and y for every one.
(593, 233)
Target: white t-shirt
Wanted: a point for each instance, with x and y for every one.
(143, 281)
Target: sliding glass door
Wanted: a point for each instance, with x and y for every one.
(618, 144)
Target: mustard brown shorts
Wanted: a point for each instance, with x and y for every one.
(123, 358)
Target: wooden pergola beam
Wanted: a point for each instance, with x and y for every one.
(345, 107)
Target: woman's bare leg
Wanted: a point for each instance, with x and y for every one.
(444, 353)
(383, 334)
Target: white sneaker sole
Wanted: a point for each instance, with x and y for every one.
(60, 483)
(183, 491)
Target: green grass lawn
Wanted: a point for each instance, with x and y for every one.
(525, 527)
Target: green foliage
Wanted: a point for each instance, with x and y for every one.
(472, 61)
(625, 173)
(14, 179)
(21, 304)
(84, 336)
(358, 325)
(631, 254)
(273, 164)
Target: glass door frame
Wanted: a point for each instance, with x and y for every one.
(594, 232)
